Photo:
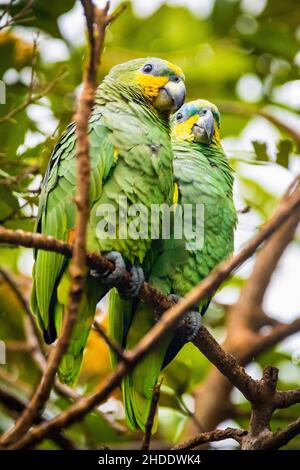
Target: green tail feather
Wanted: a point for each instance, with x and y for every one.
(69, 367)
(137, 387)
(119, 317)
(137, 406)
(70, 364)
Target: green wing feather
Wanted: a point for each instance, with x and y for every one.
(138, 386)
(204, 177)
(57, 218)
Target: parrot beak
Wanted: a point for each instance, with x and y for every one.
(204, 128)
(171, 97)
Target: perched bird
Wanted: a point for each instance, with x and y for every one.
(204, 177)
(131, 159)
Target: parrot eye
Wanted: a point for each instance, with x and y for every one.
(147, 68)
(204, 111)
(179, 116)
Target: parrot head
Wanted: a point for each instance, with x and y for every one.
(197, 121)
(157, 80)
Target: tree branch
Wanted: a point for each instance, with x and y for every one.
(211, 436)
(22, 15)
(290, 203)
(287, 398)
(282, 437)
(262, 343)
(244, 319)
(96, 24)
(112, 344)
(151, 417)
(15, 405)
(250, 110)
(24, 303)
(35, 346)
(241, 314)
(32, 98)
(254, 390)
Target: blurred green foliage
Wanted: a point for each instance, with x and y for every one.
(215, 52)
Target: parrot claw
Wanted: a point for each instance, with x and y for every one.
(111, 278)
(174, 298)
(136, 282)
(190, 323)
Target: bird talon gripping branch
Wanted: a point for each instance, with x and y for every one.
(190, 323)
(114, 278)
(135, 284)
(111, 278)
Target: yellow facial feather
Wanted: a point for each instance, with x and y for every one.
(175, 194)
(183, 130)
(116, 154)
(151, 84)
(177, 70)
(216, 137)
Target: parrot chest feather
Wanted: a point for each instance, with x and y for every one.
(141, 175)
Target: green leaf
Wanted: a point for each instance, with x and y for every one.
(258, 197)
(260, 149)
(285, 147)
(43, 14)
(8, 202)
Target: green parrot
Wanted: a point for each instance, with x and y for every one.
(203, 177)
(131, 159)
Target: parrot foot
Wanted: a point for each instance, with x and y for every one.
(174, 298)
(136, 282)
(190, 323)
(111, 278)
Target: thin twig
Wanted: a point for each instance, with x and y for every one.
(109, 341)
(189, 413)
(282, 437)
(211, 436)
(33, 65)
(20, 16)
(78, 267)
(32, 99)
(24, 303)
(287, 398)
(35, 345)
(151, 417)
(62, 390)
(249, 110)
(277, 334)
(15, 405)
